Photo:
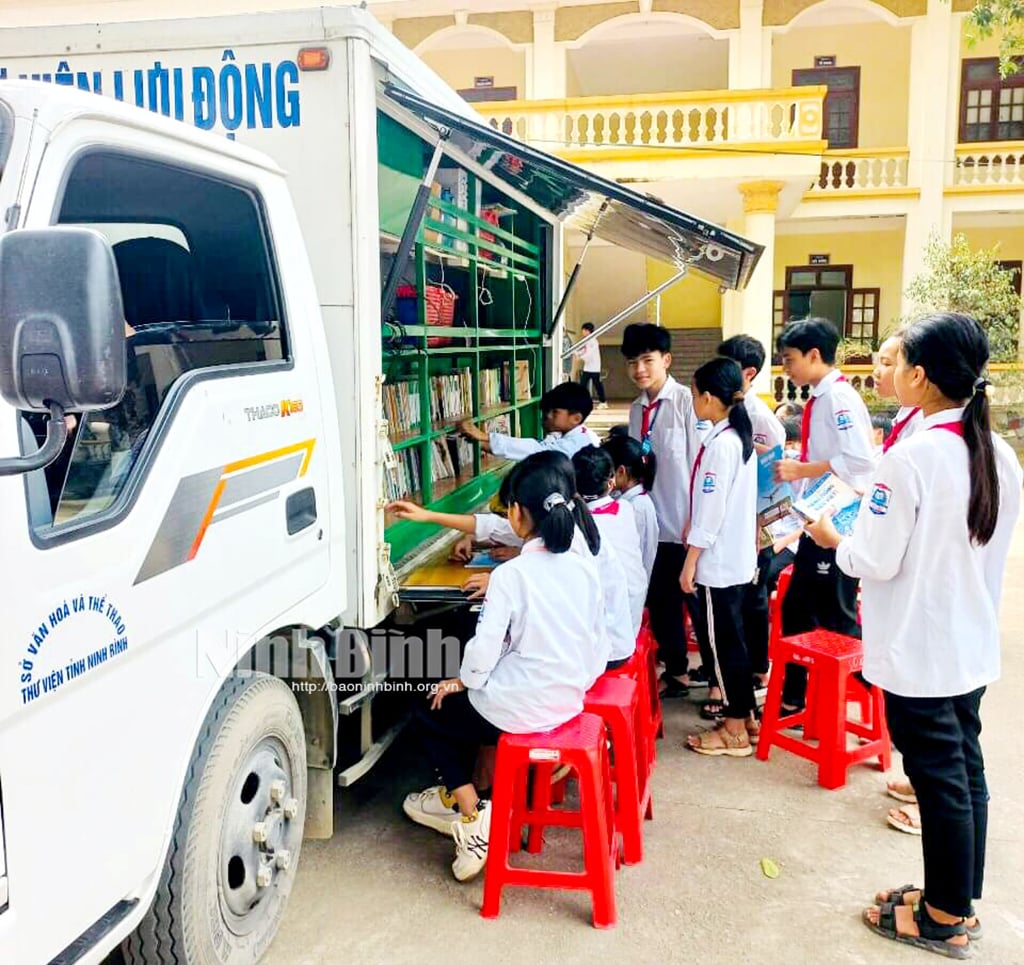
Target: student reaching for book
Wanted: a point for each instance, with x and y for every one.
(539, 646)
(564, 409)
(722, 549)
(930, 547)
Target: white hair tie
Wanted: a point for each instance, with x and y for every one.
(555, 499)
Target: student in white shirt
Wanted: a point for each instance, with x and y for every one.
(625, 575)
(635, 472)
(564, 409)
(539, 646)
(591, 356)
(930, 545)
(836, 438)
(722, 552)
(662, 420)
(768, 434)
(906, 817)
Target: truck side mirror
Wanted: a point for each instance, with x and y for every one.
(61, 330)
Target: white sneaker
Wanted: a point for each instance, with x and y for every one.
(471, 836)
(602, 405)
(433, 808)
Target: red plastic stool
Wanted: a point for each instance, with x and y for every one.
(580, 744)
(775, 611)
(636, 668)
(645, 641)
(831, 660)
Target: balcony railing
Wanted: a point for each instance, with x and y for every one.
(869, 169)
(692, 119)
(996, 164)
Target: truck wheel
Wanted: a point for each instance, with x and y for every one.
(235, 847)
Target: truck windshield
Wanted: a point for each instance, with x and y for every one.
(6, 134)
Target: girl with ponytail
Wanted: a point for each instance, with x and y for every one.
(540, 644)
(721, 554)
(930, 546)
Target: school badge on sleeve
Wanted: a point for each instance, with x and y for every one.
(881, 497)
(710, 481)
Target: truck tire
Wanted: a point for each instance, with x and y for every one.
(235, 847)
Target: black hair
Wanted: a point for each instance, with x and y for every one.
(640, 338)
(723, 379)
(553, 470)
(570, 396)
(953, 350)
(794, 429)
(594, 470)
(629, 453)
(789, 410)
(587, 326)
(620, 430)
(745, 349)
(883, 421)
(808, 333)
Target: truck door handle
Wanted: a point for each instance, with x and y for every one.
(300, 510)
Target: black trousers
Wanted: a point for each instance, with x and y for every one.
(452, 736)
(820, 595)
(587, 377)
(938, 738)
(665, 602)
(755, 605)
(720, 623)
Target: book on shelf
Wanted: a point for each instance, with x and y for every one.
(451, 396)
(402, 475)
(401, 403)
(501, 423)
(524, 390)
(492, 388)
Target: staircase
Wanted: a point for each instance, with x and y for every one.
(690, 348)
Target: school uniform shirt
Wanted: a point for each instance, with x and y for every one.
(616, 523)
(618, 619)
(512, 447)
(841, 432)
(724, 520)
(492, 528)
(646, 519)
(673, 436)
(768, 431)
(591, 355)
(907, 422)
(930, 596)
(540, 641)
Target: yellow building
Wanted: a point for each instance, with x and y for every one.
(839, 134)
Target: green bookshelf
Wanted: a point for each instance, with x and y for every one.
(490, 253)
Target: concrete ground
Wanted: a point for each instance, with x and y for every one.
(381, 890)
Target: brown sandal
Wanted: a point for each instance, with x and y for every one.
(720, 743)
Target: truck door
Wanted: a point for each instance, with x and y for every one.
(182, 522)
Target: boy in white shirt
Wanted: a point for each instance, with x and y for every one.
(591, 356)
(662, 420)
(564, 409)
(835, 437)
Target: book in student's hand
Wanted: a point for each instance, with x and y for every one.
(482, 560)
(770, 492)
(830, 493)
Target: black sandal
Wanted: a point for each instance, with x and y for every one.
(708, 709)
(896, 896)
(672, 688)
(932, 937)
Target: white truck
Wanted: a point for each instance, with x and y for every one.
(199, 347)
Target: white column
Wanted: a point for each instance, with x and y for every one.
(749, 54)
(546, 60)
(750, 312)
(932, 131)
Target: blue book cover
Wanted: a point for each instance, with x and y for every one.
(830, 493)
(770, 492)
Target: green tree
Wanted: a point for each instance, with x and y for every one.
(960, 279)
(1004, 18)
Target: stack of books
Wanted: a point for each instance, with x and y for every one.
(494, 387)
(403, 478)
(451, 396)
(402, 408)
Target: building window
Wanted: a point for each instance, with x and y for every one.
(842, 102)
(991, 107)
(828, 292)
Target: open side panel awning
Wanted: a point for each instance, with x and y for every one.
(589, 203)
